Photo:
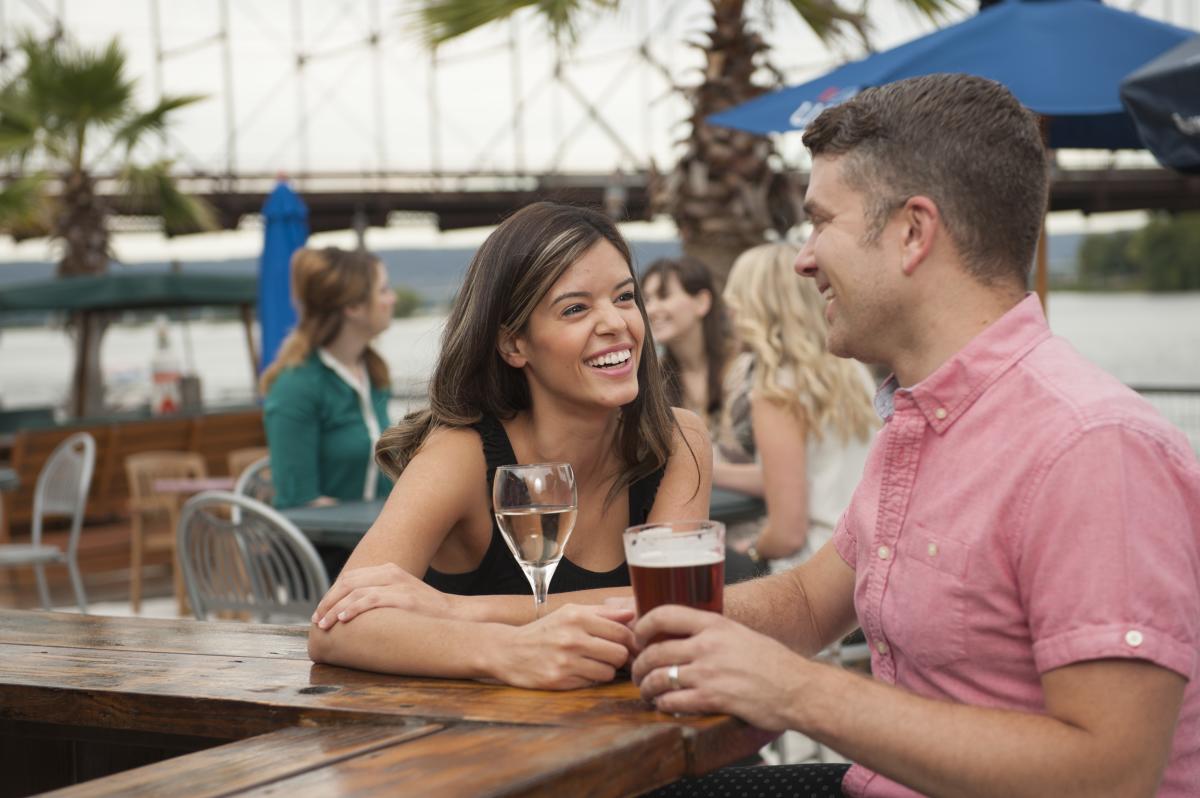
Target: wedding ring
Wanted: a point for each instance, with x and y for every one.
(673, 677)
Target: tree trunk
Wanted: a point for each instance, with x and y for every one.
(82, 225)
(724, 194)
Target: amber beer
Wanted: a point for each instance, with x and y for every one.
(680, 562)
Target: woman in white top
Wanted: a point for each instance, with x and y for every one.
(797, 420)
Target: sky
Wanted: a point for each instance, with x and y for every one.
(360, 108)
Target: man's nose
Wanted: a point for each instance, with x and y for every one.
(806, 261)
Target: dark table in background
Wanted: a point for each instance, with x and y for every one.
(233, 709)
(345, 523)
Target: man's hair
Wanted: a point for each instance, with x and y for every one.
(964, 142)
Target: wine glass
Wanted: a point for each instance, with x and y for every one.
(535, 508)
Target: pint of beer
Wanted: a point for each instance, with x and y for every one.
(677, 562)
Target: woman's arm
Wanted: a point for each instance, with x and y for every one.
(686, 485)
(435, 495)
(742, 477)
(780, 437)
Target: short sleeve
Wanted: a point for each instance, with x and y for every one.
(845, 541)
(1109, 554)
(291, 416)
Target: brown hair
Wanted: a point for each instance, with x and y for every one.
(964, 142)
(509, 275)
(694, 277)
(324, 283)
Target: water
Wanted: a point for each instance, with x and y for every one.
(1143, 339)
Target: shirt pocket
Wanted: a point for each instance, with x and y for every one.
(930, 584)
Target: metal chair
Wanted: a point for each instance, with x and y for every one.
(240, 459)
(253, 562)
(61, 490)
(149, 509)
(255, 481)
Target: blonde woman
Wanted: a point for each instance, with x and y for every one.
(797, 420)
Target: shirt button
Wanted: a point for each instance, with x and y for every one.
(884, 552)
(933, 549)
(1134, 638)
(940, 413)
(881, 646)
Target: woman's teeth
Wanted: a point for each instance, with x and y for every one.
(610, 359)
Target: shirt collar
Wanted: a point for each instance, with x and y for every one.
(954, 386)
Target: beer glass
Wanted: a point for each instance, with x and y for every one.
(535, 507)
(677, 562)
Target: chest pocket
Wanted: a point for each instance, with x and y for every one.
(930, 575)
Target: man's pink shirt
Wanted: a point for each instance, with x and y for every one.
(1022, 510)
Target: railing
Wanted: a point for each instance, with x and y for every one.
(1180, 406)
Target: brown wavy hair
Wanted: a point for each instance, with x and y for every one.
(509, 275)
(694, 276)
(324, 283)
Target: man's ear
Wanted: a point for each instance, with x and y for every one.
(922, 225)
(509, 347)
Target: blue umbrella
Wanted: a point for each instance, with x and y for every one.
(1164, 99)
(1063, 59)
(285, 223)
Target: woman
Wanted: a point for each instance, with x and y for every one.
(327, 391)
(689, 323)
(543, 359)
(797, 420)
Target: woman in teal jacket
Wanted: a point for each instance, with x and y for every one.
(327, 391)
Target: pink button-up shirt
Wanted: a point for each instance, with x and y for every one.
(1022, 510)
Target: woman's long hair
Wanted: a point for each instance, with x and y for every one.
(695, 277)
(780, 319)
(324, 283)
(507, 278)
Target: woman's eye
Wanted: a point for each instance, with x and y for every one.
(571, 310)
(626, 296)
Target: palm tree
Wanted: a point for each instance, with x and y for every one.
(68, 112)
(725, 192)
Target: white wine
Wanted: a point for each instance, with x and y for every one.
(536, 534)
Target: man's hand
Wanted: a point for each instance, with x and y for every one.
(722, 667)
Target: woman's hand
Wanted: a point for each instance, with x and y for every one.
(358, 590)
(574, 646)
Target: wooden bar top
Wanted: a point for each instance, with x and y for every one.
(253, 688)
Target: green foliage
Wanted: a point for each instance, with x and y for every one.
(1162, 256)
(408, 302)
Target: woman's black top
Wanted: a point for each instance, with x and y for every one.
(499, 573)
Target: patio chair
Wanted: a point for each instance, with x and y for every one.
(61, 490)
(240, 459)
(253, 562)
(255, 481)
(150, 509)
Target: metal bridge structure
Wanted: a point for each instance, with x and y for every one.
(369, 124)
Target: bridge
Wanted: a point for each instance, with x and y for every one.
(367, 123)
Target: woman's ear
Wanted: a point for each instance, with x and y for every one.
(703, 300)
(509, 347)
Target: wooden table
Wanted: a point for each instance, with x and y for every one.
(241, 711)
(345, 523)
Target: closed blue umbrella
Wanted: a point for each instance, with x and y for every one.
(285, 228)
(1063, 59)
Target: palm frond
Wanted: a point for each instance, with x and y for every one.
(73, 86)
(830, 21)
(439, 21)
(130, 133)
(181, 212)
(24, 207)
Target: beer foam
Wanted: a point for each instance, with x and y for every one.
(665, 557)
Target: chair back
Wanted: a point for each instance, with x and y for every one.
(240, 459)
(143, 468)
(255, 481)
(251, 561)
(63, 484)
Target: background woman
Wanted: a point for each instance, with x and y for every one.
(797, 420)
(542, 359)
(688, 321)
(327, 391)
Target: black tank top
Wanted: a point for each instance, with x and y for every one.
(498, 573)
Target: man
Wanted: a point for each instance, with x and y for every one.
(1023, 552)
